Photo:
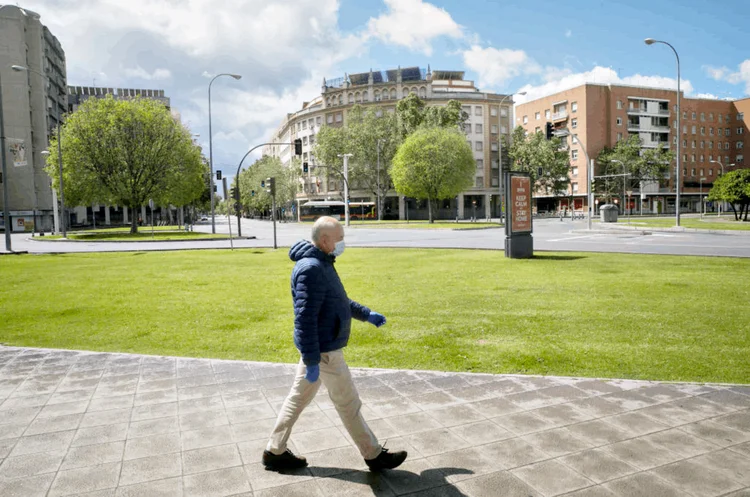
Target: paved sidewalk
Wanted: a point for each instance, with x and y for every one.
(77, 423)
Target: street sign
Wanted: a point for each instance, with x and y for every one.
(630, 193)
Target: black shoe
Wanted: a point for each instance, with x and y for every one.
(386, 460)
(287, 460)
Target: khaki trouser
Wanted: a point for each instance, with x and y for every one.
(338, 380)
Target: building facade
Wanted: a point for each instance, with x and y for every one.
(489, 120)
(32, 104)
(592, 116)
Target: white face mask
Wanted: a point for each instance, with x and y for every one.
(338, 249)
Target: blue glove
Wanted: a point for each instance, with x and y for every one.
(313, 372)
(377, 319)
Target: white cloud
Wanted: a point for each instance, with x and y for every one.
(141, 73)
(709, 96)
(601, 75)
(496, 66)
(413, 24)
(741, 76)
(568, 33)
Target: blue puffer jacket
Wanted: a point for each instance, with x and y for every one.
(322, 311)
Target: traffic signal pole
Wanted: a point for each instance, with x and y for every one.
(229, 219)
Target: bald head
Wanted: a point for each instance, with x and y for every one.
(326, 232)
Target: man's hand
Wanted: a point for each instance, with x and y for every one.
(376, 318)
(313, 372)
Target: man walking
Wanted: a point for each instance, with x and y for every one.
(322, 322)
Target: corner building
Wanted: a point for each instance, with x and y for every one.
(593, 116)
(489, 119)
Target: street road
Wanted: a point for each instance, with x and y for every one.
(549, 235)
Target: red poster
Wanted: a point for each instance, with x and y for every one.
(520, 198)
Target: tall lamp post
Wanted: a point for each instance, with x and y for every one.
(59, 147)
(211, 148)
(722, 173)
(651, 41)
(701, 195)
(6, 202)
(346, 186)
(380, 216)
(500, 150)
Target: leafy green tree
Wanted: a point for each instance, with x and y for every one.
(287, 184)
(629, 157)
(126, 152)
(734, 188)
(529, 153)
(433, 164)
(412, 112)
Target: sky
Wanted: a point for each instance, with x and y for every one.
(284, 48)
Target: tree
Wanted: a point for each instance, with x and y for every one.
(643, 164)
(126, 152)
(286, 178)
(529, 153)
(433, 164)
(412, 113)
(734, 188)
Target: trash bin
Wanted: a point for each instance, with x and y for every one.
(608, 213)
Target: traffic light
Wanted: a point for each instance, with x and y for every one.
(593, 185)
(270, 185)
(235, 193)
(298, 146)
(252, 193)
(305, 167)
(218, 175)
(262, 183)
(550, 128)
(215, 189)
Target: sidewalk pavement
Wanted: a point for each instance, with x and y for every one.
(79, 423)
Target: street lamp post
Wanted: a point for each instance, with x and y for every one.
(701, 194)
(651, 41)
(346, 186)
(211, 149)
(722, 173)
(379, 206)
(500, 151)
(6, 202)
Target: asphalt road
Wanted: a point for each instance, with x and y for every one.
(549, 235)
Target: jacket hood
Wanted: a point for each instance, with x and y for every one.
(303, 249)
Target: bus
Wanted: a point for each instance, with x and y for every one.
(313, 209)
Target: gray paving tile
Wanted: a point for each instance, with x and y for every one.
(169, 487)
(532, 399)
(252, 431)
(728, 398)
(661, 393)
(19, 415)
(211, 458)
(740, 493)
(671, 414)
(197, 392)
(591, 492)
(35, 486)
(681, 443)
(551, 478)
(598, 432)
(716, 433)
(434, 400)
(393, 407)
(434, 442)
(59, 423)
(456, 415)
(12, 431)
(356, 484)
(561, 414)
(110, 417)
(46, 442)
(93, 455)
(513, 452)
(495, 407)
(488, 485)
(598, 406)
(88, 479)
(462, 464)
(31, 465)
(629, 400)
(598, 465)
(261, 479)
(203, 404)
(151, 468)
(203, 419)
(327, 463)
(29, 401)
(481, 432)
(596, 387)
(106, 404)
(413, 423)
(642, 454)
(695, 479)
(522, 423)
(382, 392)
(412, 388)
(317, 440)
(504, 387)
(738, 420)
(557, 442)
(153, 427)
(412, 476)
(635, 423)
(6, 446)
(642, 485)
(240, 399)
(263, 410)
(155, 445)
(100, 434)
(69, 396)
(728, 463)
(154, 411)
(742, 448)
(304, 489)
(151, 398)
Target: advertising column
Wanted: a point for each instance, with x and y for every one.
(519, 243)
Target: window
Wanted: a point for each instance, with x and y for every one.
(619, 104)
(574, 107)
(739, 159)
(692, 159)
(480, 164)
(537, 130)
(684, 172)
(312, 139)
(684, 143)
(319, 120)
(538, 116)
(574, 123)
(711, 131)
(619, 121)
(480, 182)
(702, 173)
(710, 158)
(739, 145)
(546, 114)
(726, 159)
(299, 126)
(493, 111)
(574, 139)
(304, 140)
(493, 129)
(727, 118)
(693, 116)
(478, 129)
(727, 132)
(703, 116)
(619, 136)
(710, 172)
(478, 110)
(710, 116)
(574, 186)
(495, 182)
(710, 145)
(304, 124)
(479, 146)
(494, 146)
(720, 119)
(574, 154)
(702, 143)
(740, 131)
(467, 128)
(574, 171)
(503, 129)
(504, 112)
(684, 129)
(684, 114)
(702, 160)
(339, 117)
(525, 119)
(329, 118)
(693, 129)
(740, 116)
(726, 145)
(703, 131)
(377, 95)
(494, 164)
(693, 144)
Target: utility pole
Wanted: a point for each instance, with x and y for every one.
(6, 200)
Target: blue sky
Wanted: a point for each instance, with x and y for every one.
(283, 49)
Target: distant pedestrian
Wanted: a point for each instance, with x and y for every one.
(322, 322)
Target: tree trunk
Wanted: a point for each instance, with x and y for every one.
(747, 209)
(734, 210)
(134, 221)
(429, 210)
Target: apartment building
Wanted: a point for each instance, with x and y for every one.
(489, 119)
(31, 106)
(592, 116)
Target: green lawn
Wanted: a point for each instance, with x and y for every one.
(143, 235)
(708, 223)
(593, 315)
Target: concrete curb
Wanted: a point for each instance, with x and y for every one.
(37, 239)
(677, 230)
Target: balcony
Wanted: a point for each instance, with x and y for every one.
(559, 116)
(644, 111)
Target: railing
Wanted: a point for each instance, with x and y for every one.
(559, 115)
(643, 110)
